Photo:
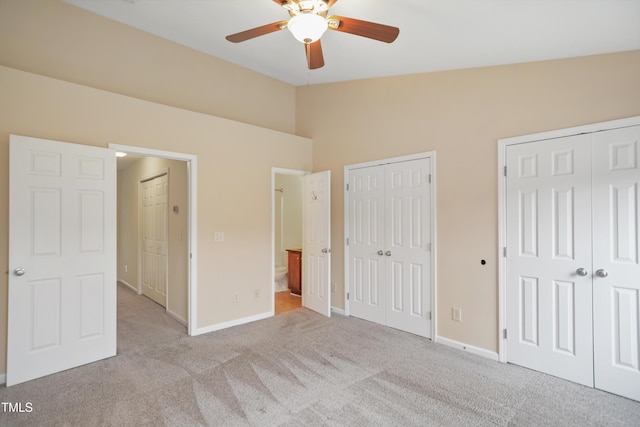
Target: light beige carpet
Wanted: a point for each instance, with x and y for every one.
(300, 369)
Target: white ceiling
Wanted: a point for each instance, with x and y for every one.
(435, 35)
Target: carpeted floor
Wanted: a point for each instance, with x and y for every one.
(300, 369)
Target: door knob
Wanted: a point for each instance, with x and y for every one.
(380, 253)
(388, 253)
(582, 271)
(18, 271)
(602, 273)
(325, 250)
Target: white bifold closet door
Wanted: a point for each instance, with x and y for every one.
(389, 208)
(155, 240)
(573, 270)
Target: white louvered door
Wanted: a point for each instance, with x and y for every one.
(573, 270)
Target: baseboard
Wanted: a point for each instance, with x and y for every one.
(128, 285)
(177, 318)
(337, 310)
(237, 322)
(3, 379)
(466, 347)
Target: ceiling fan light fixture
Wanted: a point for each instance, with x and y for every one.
(307, 27)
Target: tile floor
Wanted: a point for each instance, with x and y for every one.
(285, 301)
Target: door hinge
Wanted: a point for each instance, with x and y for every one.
(505, 171)
(504, 334)
(429, 316)
(429, 178)
(347, 241)
(347, 186)
(347, 295)
(504, 252)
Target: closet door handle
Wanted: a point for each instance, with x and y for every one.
(582, 271)
(380, 253)
(602, 273)
(388, 253)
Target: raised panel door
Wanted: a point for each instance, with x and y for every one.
(616, 261)
(62, 304)
(548, 241)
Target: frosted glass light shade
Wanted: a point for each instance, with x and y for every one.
(307, 27)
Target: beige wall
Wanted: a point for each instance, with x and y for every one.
(234, 178)
(460, 115)
(129, 233)
(58, 40)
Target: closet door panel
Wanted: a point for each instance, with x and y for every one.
(616, 282)
(548, 243)
(366, 243)
(408, 198)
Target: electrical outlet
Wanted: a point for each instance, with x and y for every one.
(456, 314)
(256, 293)
(218, 236)
(126, 268)
(236, 297)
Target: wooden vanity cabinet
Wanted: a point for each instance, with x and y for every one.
(295, 271)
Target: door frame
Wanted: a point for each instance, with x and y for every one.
(277, 171)
(141, 220)
(502, 205)
(434, 235)
(192, 234)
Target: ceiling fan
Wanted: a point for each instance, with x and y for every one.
(309, 21)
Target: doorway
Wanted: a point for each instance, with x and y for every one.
(186, 235)
(314, 257)
(287, 237)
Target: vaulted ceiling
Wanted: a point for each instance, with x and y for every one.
(435, 35)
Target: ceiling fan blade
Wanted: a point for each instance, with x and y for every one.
(315, 59)
(330, 2)
(371, 30)
(256, 32)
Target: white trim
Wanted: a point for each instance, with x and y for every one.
(337, 310)
(192, 183)
(502, 197)
(129, 286)
(469, 348)
(3, 379)
(274, 171)
(177, 318)
(431, 155)
(237, 322)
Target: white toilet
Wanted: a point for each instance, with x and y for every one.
(280, 279)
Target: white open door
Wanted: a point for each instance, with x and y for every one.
(316, 243)
(62, 257)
